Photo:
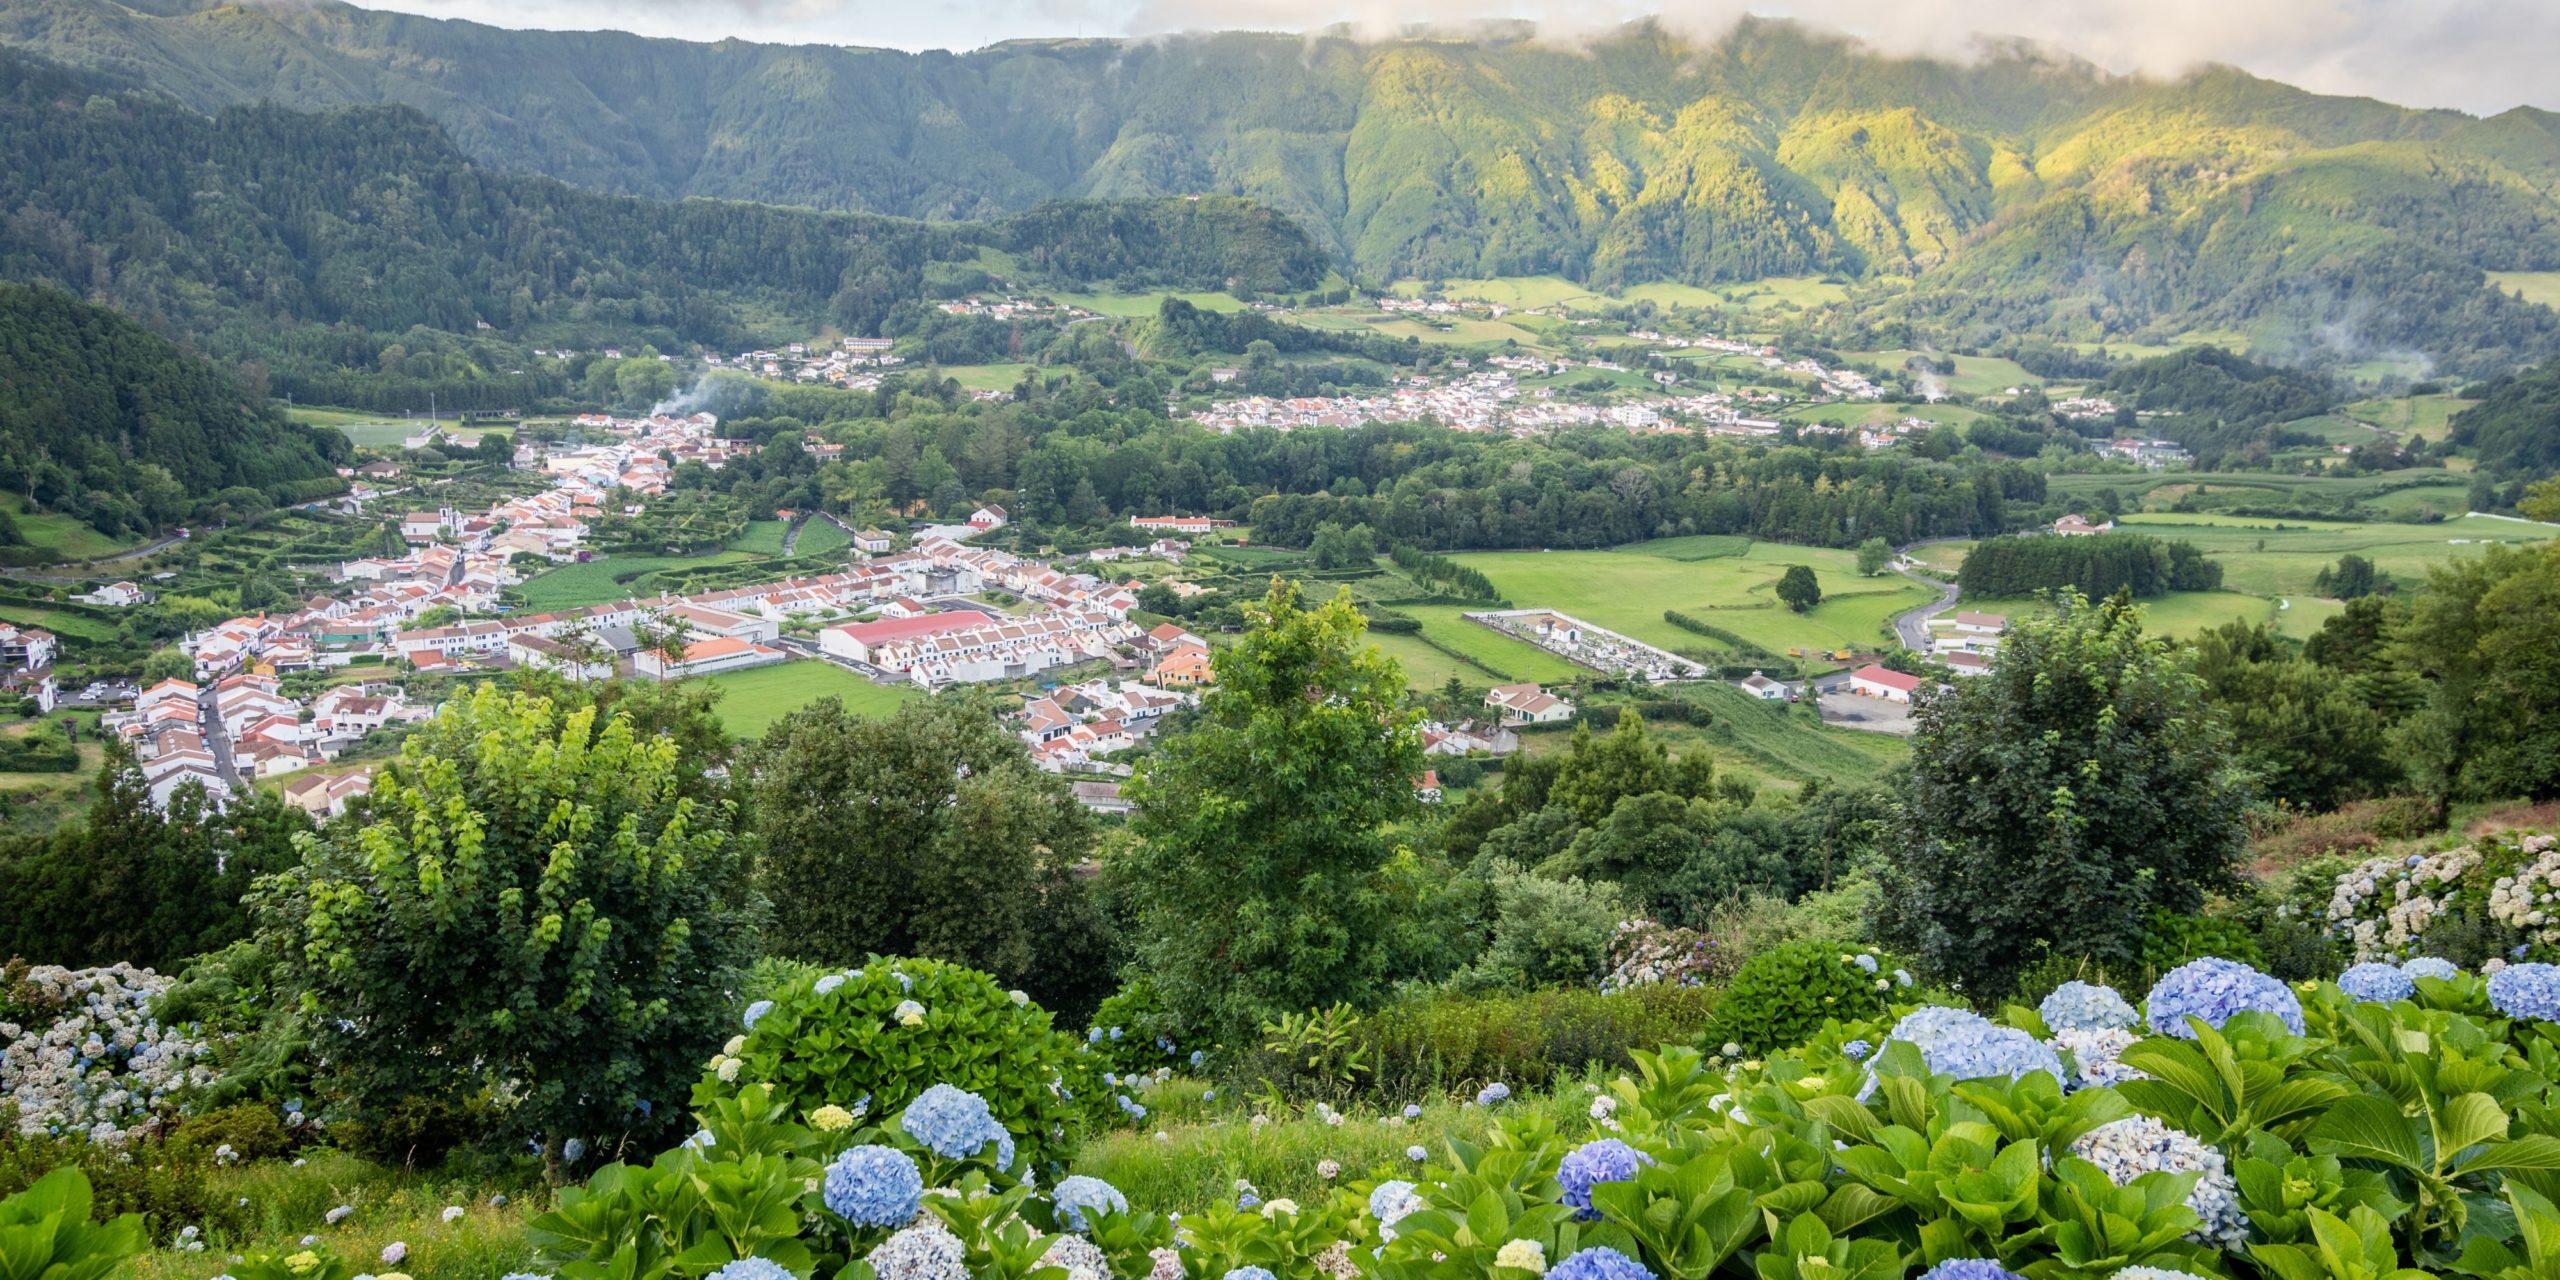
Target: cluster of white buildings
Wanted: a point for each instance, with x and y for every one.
(1590, 646)
(1965, 642)
(1072, 727)
(964, 646)
(2156, 455)
(226, 733)
(853, 362)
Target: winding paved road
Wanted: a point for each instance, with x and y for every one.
(1912, 625)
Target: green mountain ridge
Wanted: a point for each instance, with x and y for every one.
(309, 241)
(2025, 192)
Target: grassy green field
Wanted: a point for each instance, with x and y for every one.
(2416, 417)
(1132, 305)
(985, 377)
(594, 582)
(1502, 657)
(1878, 414)
(1426, 667)
(1775, 740)
(1974, 375)
(1521, 293)
(60, 622)
(2261, 559)
(1725, 582)
(63, 535)
(751, 700)
(2408, 491)
(1459, 331)
(2536, 286)
(376, 430)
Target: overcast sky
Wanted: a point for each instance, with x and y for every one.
(2482, 56)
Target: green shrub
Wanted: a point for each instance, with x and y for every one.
(1449, 1043)
(2170, 940)
(163, 1183)
(841, 1039)
(1781, 997)
(252, 1130)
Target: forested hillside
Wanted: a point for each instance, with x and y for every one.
(2516, 424)
(2027, 193)
(105, 420)
(302, 239)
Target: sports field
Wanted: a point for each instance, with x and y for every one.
(596, 581)
(751, 700)
(1723, 582)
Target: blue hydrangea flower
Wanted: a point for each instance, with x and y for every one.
(756, 1012)
(1969, 1269)
(1412, 1111)
(1390, 1202)
(1115, 1033)
(828, 984)
(1856, 1050)
(753, 1269)
(1199, 1058)
(2527, 991)
(953, 1123)
(2214, 990)
(1093, 1035)
(874, 1186)
(1078, 1195)
(1864, 961)
(2434, 967)
(1599, 1262)
(1593, 1163)
(2086, 1006)
(1968, 1046)
(1250, 1273)
(574, 1150)
(1493, 1093)
(2154, 1273)
(2379, 983)
(1416, 1154)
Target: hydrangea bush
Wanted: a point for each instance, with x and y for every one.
(89, 1057)
(1783, 995)
(874, 1039)
(1645, 953)
(1954, 1147)
(2499, 894)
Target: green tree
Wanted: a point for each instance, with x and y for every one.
(167, 664)
(2481, 634)
(2311, 740)
(927, 833)
(1873, 555)
(1336, 547)
(131, 882)
(2059, 800)
(1798, 588)
(535, 919)
(1265, 825)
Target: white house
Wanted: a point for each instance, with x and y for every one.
(989, 516)
(1763, 688)
(871, 542)
(1527, 704)
(115, 595)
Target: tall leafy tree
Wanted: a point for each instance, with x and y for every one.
(2312, 741)
(2059, 799)
(131, 882)
(926, 833)
(535, 912)
(1264, 827)
(2482, 635)
(1798, 588)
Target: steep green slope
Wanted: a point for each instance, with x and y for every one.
(281, 234)
(105, 420)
